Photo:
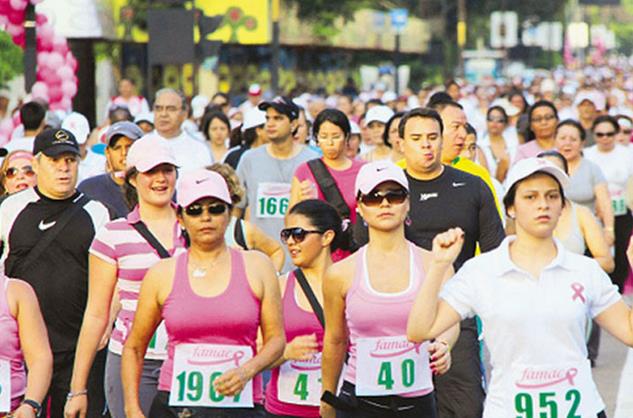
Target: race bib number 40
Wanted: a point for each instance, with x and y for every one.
(391, 366)
(272, 200)
(299, 382)
(553, 392)
(5, 386)
(196, 366)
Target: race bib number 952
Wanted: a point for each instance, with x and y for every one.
(196, 366)
(272, 200)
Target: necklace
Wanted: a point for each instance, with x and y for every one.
(199, 272)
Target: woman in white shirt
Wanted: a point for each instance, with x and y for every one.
(533, 298)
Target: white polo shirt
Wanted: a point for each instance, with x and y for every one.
(527, 321)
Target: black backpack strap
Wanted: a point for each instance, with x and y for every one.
(238, 234)
(307, 290)
(142, 229)
(328, 187)
(49, 236)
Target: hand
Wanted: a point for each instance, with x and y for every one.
(105, 339)
(609, 236)
(77, 406)
(302, 347)
(447, 246)
(231, 382)
(308, 190)
(327, 411)
(440, 357)
(23, 411)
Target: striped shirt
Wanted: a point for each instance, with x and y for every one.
(118, 243)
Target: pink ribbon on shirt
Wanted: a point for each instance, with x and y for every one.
(578, 289)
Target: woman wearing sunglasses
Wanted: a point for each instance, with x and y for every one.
(533, 297)
(498, 150)
(16, 172)
(119, 258)
(367, 300)
(542, 121)
(313, 231)
(212, 299)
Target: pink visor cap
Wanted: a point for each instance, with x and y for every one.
(148, 152)
(373, 174)
(197, 184)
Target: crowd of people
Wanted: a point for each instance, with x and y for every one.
(351, 255)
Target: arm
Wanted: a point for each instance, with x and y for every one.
(23, 305)
(594, 238)
(502, 166)
(618, 321)
(101, 284)
(146, 320)
(257, 239)
(266, 287)
(605, 211)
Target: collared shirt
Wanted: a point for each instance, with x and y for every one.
(527, 320)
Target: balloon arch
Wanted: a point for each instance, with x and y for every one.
(56, 65)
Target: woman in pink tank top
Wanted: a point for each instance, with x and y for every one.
(313, 231)
(213, 300)
(368, 297)
(23, 342)
(119, 258)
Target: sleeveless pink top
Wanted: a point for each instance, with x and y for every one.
(230, 318)
(370, 313)
(296, 322)
(10, 348)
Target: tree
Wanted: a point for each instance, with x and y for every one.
(11, 59)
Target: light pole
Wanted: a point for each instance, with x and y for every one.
(461, 35)
(274, 68)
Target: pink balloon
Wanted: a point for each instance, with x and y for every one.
(20, 39)
(66, 103)
(14, 30)
(4, 8)
(3, 19)
(46, 32)
(39, 90)
(65, 73)
(40, 18)
(69, 88)
(55, 60)
(59, 44)
(34, 2)
(71, 60)
(55, 93)
(18, 4)
(16, 17)
(51, 78)
(42, 59)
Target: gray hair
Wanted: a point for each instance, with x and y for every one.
(165, 90)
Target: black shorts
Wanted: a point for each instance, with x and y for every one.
(161, 409)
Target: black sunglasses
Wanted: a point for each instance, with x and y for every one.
(196, 209)
(298, 234)
(603, 134)
(394, 197)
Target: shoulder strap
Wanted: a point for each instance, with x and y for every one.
(328, 187)
(307, 290)
(142, 229)
(238, 234)
(48, 237)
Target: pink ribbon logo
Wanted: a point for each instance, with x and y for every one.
(578, 289)
(569, 377)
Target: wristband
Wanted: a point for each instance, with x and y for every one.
(75, 394)
(442, 341)
(37, 408)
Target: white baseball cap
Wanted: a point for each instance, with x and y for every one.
(375, 173)
(380, 114)
(354, 128)
(528, 166)
(148, 152)
(78, 125)
(252, 118)
(198, 104)
(593, 96)
(389, 96)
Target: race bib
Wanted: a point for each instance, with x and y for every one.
(272, 200)
(618, 202)
(158, 344)
(300, 382)
(565, 391)
(196, 366)
(391, 366)
(5, 386)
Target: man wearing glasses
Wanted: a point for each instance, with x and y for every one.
(170, 111)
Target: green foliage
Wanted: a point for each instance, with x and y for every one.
(11, 59)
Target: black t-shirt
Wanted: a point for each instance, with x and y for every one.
(234, 156)
(60, 275)
(454, 199)
(106, 191)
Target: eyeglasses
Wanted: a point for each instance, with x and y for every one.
(543, 118)
(496, 120)
(11, 172)
(298, 234)
(196, 209)
(394, 197)
(168, 109)
(603, 134)
(627, 131)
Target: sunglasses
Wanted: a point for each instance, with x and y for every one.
(298, 234)
(11, 172)
(497, 120)
(196, 209)
(394, 197)
(603, 134)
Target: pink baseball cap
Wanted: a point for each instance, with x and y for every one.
(373, 174)
(197, 184)
(148, 152)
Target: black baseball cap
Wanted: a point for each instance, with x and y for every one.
(283, 105)
(123, 128)
(54, 142)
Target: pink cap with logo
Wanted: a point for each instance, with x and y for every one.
(197, 184)
(148, 152)
(373, 174)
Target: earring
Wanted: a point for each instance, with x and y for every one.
(408, 221)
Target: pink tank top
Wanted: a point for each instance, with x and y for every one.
(10, 348)
(297, 322)
(230, 318)
(372, 314)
